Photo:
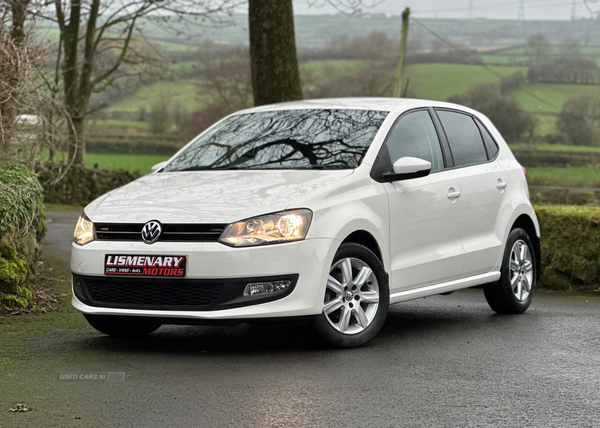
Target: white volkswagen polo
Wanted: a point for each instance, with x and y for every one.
(327, 209)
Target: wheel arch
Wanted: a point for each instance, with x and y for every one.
(526, 223)
(366, 239)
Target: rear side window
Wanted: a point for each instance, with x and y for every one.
(488, 140)
(414, 136)
(464, 138)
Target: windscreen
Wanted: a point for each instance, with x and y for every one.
(286, 139)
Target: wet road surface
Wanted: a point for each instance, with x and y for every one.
(444, 361)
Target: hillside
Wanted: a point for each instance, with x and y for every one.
(440, 81)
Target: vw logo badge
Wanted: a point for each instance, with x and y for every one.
(151, 232)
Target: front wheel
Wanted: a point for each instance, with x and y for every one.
(120, 326)
(356, 299)
(512, 294)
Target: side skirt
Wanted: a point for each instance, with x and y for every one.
(444, 287)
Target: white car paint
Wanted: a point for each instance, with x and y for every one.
(406, 218)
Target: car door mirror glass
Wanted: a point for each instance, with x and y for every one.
(406, 168)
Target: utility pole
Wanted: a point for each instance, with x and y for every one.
(399, 68)
(471, 9)
(574, 10)
(521, 16)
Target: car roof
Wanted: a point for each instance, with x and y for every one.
(363, 103)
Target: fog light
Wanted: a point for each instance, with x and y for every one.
(266, 287)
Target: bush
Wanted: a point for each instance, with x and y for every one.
(80, 185)
(134, 146)
(21, 198)
(556, 159)
(21, 228)
(579, 119)
(514, 81)
(566, 68)
(570, 247)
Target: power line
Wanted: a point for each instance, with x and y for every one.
(497, 6)
(485, 67)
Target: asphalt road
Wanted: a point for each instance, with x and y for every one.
(444, 361)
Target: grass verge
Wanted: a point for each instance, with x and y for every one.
(16, 330)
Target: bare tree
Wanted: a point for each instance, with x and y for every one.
(15, 62)
(88, 27)
(275, 72)
(537, 47)
(273, 57)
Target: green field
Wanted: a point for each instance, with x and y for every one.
(112, 122)
(185, 66)
(132, 163)
(440, 81)
(554, 50)
(330, 70)
(558, 148)
(186, 93)
(173, 47)
(566, 177)
(553, 95)
(547, 99)
(501, 59)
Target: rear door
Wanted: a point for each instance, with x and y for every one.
(425, 213)
(484, 184)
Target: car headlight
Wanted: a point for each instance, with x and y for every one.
(284, 226)
(84, 231)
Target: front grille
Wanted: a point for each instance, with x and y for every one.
(171, 232)
(143, 293)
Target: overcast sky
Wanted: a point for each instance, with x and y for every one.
(491, 9)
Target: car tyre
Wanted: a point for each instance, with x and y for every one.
(356, 300)
(120, 326)
(513, 292)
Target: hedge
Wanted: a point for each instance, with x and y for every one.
(570, 247)
(556, 159)
(80, 186)
(22, 225)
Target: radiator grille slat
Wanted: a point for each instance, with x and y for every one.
(171, 232)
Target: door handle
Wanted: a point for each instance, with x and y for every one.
(453, 193)
(501, 184)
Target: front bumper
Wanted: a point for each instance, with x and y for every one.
(308, 260)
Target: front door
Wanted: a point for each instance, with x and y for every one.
(425, 213)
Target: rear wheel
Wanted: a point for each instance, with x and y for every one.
(513, 293)
(356, 299)
(119, 326)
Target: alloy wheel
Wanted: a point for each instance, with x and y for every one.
(351, 296)
(521, 270)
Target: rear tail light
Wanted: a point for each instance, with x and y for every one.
(524, 171)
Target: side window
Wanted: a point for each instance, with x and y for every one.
(415, 136)
(464, 138)
(488, 140)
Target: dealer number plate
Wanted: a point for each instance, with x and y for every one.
(140, 265)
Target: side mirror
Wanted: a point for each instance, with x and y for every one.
(407, 168)
(158, 166)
